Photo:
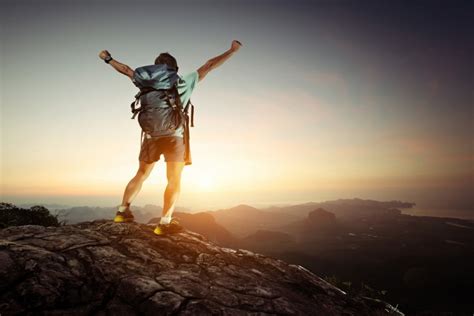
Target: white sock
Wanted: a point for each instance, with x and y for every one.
(165, 220)
(122, 208)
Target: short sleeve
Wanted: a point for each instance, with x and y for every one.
(191, 79)
(187, 85)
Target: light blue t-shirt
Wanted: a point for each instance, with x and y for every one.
(186, 84)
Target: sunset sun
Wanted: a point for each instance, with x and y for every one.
(205, 183)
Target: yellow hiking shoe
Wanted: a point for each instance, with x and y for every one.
(171, 228)
(124, 217)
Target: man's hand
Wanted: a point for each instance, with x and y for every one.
(235, 46)
(218, 60)
(122, 68)
(104, 54)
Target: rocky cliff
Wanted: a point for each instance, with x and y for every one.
(124, 269)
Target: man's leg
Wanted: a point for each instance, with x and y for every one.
(173, 173)
(134, 186)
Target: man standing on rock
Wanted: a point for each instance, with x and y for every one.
(164, 134)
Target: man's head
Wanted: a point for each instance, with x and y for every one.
(166, 58)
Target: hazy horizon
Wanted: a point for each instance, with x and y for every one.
(111, 202)
(325, 100)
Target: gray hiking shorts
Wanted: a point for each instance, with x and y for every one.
(172, 147)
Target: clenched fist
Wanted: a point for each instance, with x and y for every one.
(104, 54)
(235, 45)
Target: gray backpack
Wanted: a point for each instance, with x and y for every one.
(158, 105)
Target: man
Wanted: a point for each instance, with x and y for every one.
(171, 145)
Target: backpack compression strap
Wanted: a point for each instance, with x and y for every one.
(135, 110)
(134, 104)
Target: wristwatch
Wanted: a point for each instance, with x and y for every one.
(108, 59)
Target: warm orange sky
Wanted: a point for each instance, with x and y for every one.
(311, 108)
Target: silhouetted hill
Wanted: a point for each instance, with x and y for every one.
(317, 222)
(244, 220)
(103, 268)
(321, 218)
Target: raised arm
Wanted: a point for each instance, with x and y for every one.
(218, 60)
(122, 68)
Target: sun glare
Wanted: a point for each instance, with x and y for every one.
(200, 179)
(205, 183)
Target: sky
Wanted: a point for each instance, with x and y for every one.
(325, 100)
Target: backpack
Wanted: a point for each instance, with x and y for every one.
(165, 114)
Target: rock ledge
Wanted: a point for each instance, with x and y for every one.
(124, 269)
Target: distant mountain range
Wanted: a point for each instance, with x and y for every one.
(346, 207)
(79, 214)
(51, 207)
(243, 220)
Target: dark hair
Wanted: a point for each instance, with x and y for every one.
(166, 58)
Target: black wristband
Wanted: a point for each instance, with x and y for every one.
(108, 59)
